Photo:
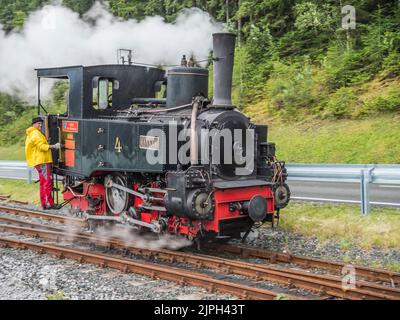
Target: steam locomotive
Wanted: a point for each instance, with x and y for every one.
(183, 164)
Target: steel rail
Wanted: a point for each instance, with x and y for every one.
(321, 284)
(182, 277)
(371, 274)
(41, 215)
(7, 198)
(337, 267)
(248, 252)
(27, 224)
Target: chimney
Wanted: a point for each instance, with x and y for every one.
(224, 52)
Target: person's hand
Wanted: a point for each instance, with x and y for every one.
(56, 146)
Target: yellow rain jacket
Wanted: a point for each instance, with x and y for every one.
(37, 149)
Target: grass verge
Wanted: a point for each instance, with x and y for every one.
(14, 152)
(344, 224)
(340, 223)
(20, 190)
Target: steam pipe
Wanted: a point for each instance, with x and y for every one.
(193, 133)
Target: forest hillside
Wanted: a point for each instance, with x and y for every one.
(324, 72)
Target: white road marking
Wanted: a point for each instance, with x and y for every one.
(385, 186)
(391, 204)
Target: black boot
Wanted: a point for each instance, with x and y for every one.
(55, 207)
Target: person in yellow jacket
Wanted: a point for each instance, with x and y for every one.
(38, 155)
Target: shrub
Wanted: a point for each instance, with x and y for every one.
(391, 65)
(340, 103)
(290, 88)
(389, 102)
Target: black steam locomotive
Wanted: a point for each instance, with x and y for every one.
(183, 164)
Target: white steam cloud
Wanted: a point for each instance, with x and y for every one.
(129, 237)
(56, 36)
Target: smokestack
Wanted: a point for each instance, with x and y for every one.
(224, 52)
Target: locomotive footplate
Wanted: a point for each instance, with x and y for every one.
(240, 184)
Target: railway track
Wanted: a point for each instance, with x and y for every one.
(183, 277)
(7, 197)
(178, 275)
(320, 284)
(324, 285)
(43, 216)
(370, 274)
(364, 273)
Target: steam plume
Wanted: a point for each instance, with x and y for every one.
(57, 36)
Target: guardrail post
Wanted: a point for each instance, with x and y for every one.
(29, 175)
(364, 186)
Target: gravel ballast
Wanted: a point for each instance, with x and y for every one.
(25, 275)
(281, 240)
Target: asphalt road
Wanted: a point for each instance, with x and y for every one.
(301, 190)
(344, 191)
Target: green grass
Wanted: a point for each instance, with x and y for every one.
(282, 296)
(344, 224)
(392, 265)
(20, 190)
(14, 152)
(56, 295)
(12, 136)
(372, 140)
(14, 133)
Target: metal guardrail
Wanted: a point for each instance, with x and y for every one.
(17, 170)
(364, 174)
(381, 173)
(343, 173)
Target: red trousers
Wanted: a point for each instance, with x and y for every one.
(46, 184)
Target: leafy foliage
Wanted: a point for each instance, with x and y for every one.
(318, 18)
(319, 68)
(340, 103)
(384, 103)
(294, 56)
(14, 12)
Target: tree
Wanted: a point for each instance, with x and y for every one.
(19, 19)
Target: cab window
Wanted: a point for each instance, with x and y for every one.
(103, 90)
(55, 95)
